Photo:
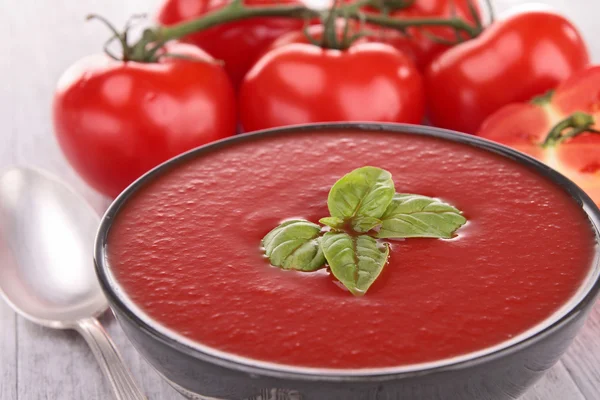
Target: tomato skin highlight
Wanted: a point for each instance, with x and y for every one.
(511, 61)
(116, 120)
(302, 83)
(238, 44)
(525, 126)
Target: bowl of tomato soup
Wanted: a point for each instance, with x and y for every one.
(479, 315)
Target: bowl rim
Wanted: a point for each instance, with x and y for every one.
(573, 308)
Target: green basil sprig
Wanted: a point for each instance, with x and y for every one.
(365, 209)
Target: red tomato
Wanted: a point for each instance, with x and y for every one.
(315, 31)
(418, 44)
(116, 120)
(239, 44)
(522, 126)
(301, 83)
(525, 127)
(513, 60)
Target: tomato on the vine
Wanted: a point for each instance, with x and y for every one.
(238, 44)
(513, 60)
(115, 120)
(556, 129)
(423, 44)
(302, 83)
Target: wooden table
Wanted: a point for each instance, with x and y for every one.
(39, 40)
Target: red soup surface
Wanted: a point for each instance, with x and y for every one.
(186, 249)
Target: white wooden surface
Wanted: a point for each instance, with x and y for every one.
(39, 40)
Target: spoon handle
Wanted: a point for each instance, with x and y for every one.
(124, 387)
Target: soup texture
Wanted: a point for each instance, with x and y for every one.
(185, 248)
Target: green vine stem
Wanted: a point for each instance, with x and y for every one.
(390, 5)
(574, 125)
(236, 10)
(402, 24)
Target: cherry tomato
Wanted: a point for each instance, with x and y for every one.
(116, 120)
(239, 44)
(302, 83)
(511, 61)
(525, 127)
(418, 42)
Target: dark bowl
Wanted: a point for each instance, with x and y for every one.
(504, 372)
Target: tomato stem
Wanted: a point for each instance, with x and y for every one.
(570, 127)
(543, 99)
(330, 40)
(355, 6)
(475, 14)
(233, 12)
(142, 51)
(390, 5)
(402, 24)
(238, 11)
(121, 37)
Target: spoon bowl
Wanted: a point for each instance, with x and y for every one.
(46, 244)
(46, 238)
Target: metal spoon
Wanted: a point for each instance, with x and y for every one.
(46, 245)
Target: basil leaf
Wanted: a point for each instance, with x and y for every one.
(413, 215)
(365, 224)
(364, 192)
(356, 261)
(333, 222)
(295, 245)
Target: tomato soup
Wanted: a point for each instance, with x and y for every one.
(185, 248)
